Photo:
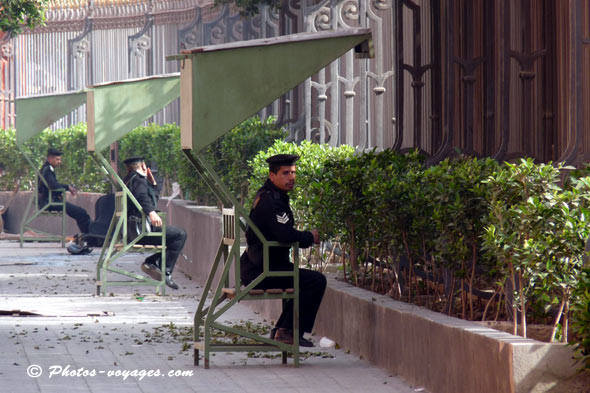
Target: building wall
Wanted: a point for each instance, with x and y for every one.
(500, 78)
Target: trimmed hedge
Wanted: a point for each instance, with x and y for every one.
(475, 225)
(77, 166)
(159, 144)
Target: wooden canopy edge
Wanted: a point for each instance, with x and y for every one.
(145, 78)
(281, 40)
(49, 95)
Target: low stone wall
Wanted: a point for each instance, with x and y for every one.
(203, 227)
(16, 209)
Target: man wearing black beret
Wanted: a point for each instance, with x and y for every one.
(142, 185)
(273, 216)
(48, 172)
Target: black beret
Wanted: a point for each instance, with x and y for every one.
(133, 160)
(283, 159)
(53, 152)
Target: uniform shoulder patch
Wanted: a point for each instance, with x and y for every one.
(283, 219)
(256, 202)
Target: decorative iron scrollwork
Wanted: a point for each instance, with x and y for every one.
(141, 44)
(7, 50)
(323, 20)
(81, 48)
(218, 34)
(381, 4)
(350, 11)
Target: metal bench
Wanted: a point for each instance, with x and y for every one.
(117, 244)
(229, 249)
(39, 211)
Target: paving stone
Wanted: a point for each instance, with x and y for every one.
(86, 343)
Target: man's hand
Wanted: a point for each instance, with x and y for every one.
(155, 219)
(316, 236)
(73, 190)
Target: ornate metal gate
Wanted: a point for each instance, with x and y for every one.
(501, 78)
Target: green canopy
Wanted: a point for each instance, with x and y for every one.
(116, 108)
(34, 114)
(222, 85)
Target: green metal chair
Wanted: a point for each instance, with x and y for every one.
(116, 244)
(207, 316)
(113, 110)
(39, 211)
(33, 115)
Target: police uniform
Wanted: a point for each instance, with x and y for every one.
(147, 196)
(48, 173)
(272, 214)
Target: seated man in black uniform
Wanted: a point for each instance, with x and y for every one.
(48, 172)
(142, 185)
(273, 216)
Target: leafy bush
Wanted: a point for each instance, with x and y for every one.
(77, 166)
(581, 319)
(160, 145)
(537, 233)
(459, 211)
(509, 227)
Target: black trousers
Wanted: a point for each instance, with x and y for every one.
(175, 239)
(312, 286)
(77, 213)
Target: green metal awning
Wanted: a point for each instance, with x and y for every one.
(116, 108)
(34, 114)
(222, 85)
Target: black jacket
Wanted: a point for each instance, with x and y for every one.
(49, 175)
(273, 216)
(145, 193)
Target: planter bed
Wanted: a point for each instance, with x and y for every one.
(442, 353)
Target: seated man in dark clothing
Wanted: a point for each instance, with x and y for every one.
(142, 184)
(273, 216)
(48, 172)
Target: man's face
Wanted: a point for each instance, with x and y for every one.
(284, 179)
(55, 161)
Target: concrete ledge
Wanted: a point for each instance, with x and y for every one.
(441, 353)
(16, 209)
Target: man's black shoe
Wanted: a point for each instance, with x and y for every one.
(171, 283)
(152, 270)
(286, 336)
(303, 342)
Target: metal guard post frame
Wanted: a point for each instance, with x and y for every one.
(116, 243)
(207, 316)
(209, 109)
(113, 109)
(33, 115)
(38, 211)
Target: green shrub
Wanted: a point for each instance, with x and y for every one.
(459, 212)
(537, 233)
(77, 166)
(581, 319)
(160, 145)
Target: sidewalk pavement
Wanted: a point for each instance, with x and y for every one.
(57, 336)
